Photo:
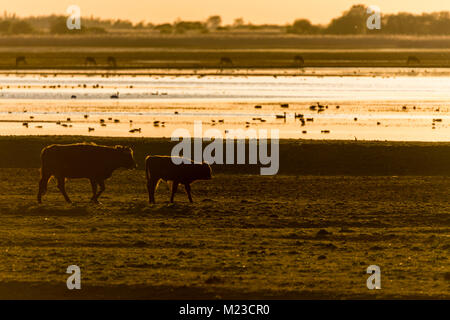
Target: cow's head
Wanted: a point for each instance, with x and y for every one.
(126, 159)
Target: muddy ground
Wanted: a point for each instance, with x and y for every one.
(246, 236)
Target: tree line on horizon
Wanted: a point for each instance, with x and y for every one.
(351, 22)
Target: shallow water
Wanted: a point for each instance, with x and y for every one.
(370, 107)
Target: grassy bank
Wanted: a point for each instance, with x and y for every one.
(206, 51)
(298, 157)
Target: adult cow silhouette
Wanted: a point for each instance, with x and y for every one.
(299, 61)
(20, 60)
(412, 60)
(90, 61)
(226, 61)
(112, 62)
(82, 160)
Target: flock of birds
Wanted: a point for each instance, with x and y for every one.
(319, 108)
(67, 123)
(103, 123)
(303, 120)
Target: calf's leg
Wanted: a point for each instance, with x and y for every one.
(94, 190)
(102, 188)
(187, 186)
(62, 188)
(174, 190)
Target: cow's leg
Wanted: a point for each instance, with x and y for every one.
(151, 186)
(43, 186)
(101, 183)
(62, 188)
(94, 190)
(188, 191)
(174, 190)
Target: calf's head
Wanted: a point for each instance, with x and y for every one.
(203, 171)
(125, 157)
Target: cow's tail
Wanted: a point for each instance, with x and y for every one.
(45, 174)
(43, 184)
(147, 168)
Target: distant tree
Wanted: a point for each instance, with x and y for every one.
(139, 25)
(164, 28)
(8, 16)
(183, 26)
(213, 22)
(303, 26)
(122, 24)
(5, 26)
(21, 27)
(352, 21)
(238, 23)
(441, 23)
(437, 23)
(59, 26)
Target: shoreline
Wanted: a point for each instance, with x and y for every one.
(334, 70)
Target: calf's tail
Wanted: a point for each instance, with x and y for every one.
(45, 178)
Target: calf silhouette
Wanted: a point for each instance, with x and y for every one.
(163, 167)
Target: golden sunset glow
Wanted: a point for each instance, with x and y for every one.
(261, 11)
(196, 150)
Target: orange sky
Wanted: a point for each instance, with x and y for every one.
(256, 11)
